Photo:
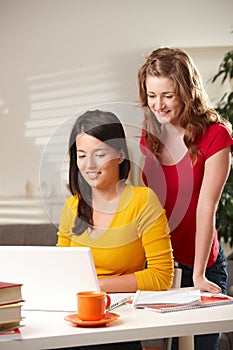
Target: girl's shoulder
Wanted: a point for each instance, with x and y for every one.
(215, 138)
(138, 190)
(141, 193)
(143, 200)
(217, 128)
(215, 131)
(72, 202)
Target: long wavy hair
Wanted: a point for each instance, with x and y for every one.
(106, 127)
(197, 113)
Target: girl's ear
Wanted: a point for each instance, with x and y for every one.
(121, 156)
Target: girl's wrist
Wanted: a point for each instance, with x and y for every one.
(198, 275)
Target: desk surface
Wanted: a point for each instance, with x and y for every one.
(49, 330)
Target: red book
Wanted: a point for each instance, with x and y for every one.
(10, 334)
(10, 293)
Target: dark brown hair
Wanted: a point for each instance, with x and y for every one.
(106, 127)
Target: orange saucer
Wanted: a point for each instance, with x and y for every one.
(109, 317)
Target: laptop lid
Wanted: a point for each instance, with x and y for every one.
(51, 276)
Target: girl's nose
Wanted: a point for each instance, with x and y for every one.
(90, 161)
(159, 104)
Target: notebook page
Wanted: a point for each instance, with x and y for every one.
(178, 296)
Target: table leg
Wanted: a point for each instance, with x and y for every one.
(186, 343)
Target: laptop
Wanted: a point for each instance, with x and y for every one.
(51, 276)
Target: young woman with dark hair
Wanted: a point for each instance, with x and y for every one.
(125, 226)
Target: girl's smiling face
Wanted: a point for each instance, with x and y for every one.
(98, 162)
(162, 100)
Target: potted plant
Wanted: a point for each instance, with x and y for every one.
(224, 216)
(225, 68)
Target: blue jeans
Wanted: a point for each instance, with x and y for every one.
(216, 273)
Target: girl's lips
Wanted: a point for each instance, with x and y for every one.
(93, 175)
(162, 114)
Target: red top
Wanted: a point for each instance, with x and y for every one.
(178, 186)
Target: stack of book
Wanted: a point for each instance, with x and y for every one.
(10, 310)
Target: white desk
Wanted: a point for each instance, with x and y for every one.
(48, 330)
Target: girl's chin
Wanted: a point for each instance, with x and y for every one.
(91, 182)
(162, 120)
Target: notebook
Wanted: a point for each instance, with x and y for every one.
(170, 297)
(178, 300)
(51, 276)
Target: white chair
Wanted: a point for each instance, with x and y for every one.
(177, 278)
(165, 344)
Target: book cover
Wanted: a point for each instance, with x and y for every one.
(10, 293)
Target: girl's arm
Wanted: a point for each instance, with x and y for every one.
(114, 284)
(215, 175)
(155, 239)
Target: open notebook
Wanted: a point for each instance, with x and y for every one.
(51, 276)
(178, 300)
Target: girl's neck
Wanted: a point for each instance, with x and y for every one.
(104, 208)
(172, 148)
(108, 199)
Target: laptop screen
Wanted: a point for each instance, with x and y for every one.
(51, 276)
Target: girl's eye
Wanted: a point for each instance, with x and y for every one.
(80, 156)
(153, 96)
(100, 155)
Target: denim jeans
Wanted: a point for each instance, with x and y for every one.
(216, 273)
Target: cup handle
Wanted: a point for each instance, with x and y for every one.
(107, 301)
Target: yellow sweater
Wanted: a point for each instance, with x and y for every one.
(137, 240)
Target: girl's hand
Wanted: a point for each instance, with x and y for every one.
(205, 285)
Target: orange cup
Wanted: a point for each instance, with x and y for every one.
(92, 306)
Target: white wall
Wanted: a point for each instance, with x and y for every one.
(60, 56)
